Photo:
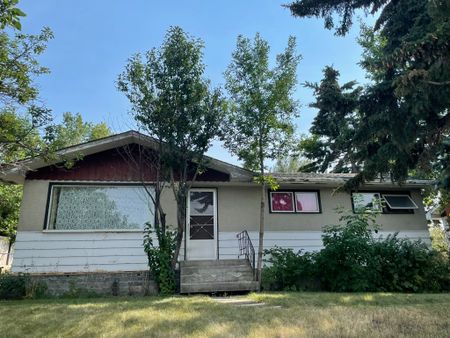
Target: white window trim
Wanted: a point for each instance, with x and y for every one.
(278, 211)
(54, 184)
(400, 208)
(317, 211)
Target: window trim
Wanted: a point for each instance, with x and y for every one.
(86, 184)
(293, 191)
(400, 208)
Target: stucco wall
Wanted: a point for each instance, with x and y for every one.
(239, 206)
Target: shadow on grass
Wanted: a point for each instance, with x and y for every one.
(203, 316)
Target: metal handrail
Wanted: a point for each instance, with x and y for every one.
(246, 249)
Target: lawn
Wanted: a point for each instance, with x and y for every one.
(283, 315)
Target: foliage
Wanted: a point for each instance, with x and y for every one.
(259, 124)
(330, 145)
(10, 15)
(290, 164)
(13, 286)
(173, 102)
(354, 260)
(405, 120)
(160, 258)
(289, 270)
(73, 130)
(10, 197)
(439, 241)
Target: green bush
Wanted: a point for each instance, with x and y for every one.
(354, 260)
(21, 286)
(289, 271)
(13, 286)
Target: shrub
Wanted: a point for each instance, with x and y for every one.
(21, 286)
(288, 270)
(160, 258)
(13, 286)
(354, 260)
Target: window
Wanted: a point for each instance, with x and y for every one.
(307, 202)
(366, 202)
(99, 207)
(399, 202)
(294, 202)
(201, 215)
(282, 201)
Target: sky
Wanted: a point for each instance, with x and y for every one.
(94, 39)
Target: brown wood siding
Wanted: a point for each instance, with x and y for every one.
(110, 165)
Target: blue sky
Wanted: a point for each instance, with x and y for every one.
(93, 40)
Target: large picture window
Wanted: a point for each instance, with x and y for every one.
(99, 207)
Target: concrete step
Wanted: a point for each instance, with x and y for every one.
(218, 287)
(214, 262)
(229, 276)
(213, 269)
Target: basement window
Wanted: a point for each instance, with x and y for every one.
(399, 202)
(99, 207)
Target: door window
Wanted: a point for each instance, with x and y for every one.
(201, 215)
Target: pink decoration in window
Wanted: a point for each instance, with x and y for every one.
(282, 202)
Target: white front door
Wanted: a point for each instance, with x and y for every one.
(201, 232)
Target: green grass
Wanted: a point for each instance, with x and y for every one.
(300, 315)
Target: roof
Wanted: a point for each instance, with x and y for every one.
(237, 174)
(336, 179)
(17, 173)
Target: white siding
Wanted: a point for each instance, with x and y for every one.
(296, 240)
(39, 252)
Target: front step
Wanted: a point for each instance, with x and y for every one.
(216, 276)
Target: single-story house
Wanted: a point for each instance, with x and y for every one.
(85, 224)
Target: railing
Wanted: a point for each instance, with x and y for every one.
(246, 249)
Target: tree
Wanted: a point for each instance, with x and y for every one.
(259, 126)
(173, 102)
(73, 130)
(290, 164)
(18, 93)
(330, 145)
(405, 117)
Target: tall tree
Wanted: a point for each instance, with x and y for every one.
(173, 102)
(18, 93)
(406, 109)
(330, 146)
(259, 126)
(73, 130)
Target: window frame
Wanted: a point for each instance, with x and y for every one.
(386, 210)
(400, 208)
(48, 206)
(293, 192)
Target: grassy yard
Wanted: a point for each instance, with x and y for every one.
(283, 315)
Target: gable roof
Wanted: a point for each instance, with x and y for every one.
(237, 174)
(17, 174)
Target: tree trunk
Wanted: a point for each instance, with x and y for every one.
(261, 227)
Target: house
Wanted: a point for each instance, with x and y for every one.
(85, 224)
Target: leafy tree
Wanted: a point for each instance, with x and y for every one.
(18, 93)
(73, 130)
(290, 164)
(405, 118)
(259, 126)
(330, 146)
(173, 102)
